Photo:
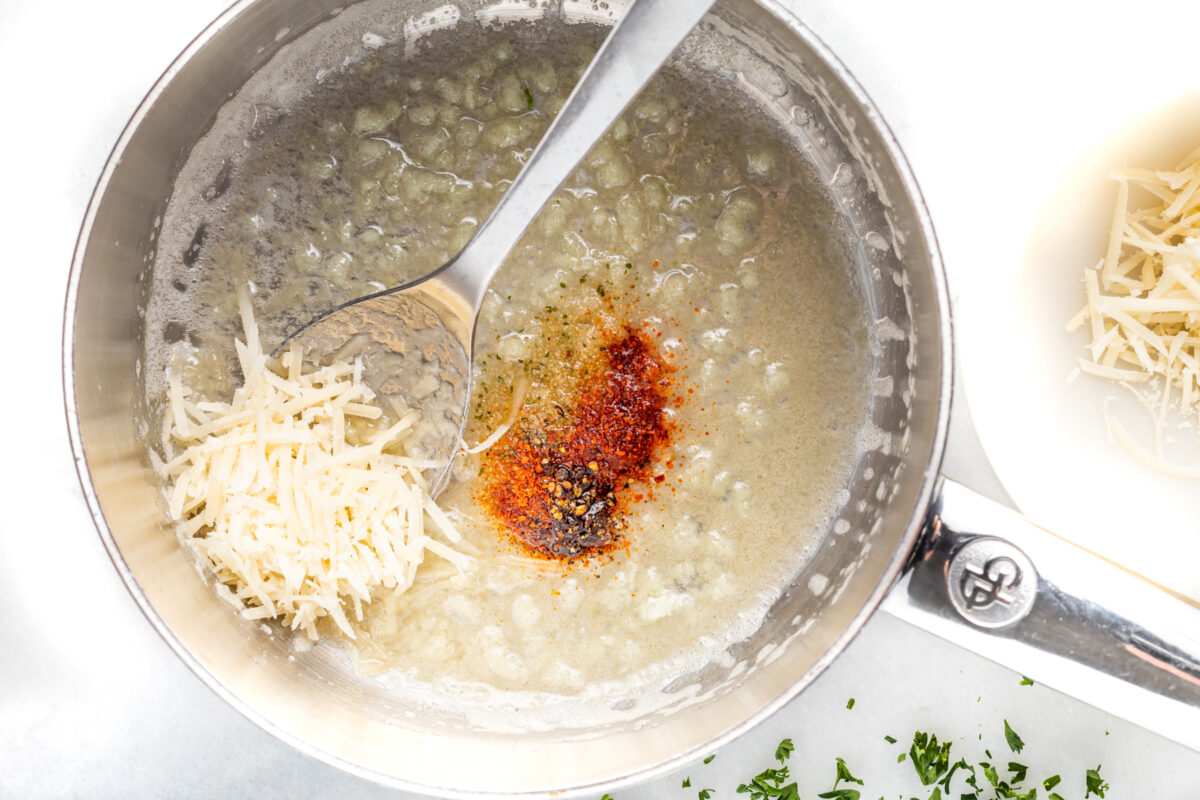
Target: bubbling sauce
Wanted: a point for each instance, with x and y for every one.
(694, 262)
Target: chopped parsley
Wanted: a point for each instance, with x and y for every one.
(843, 774)
(710, 758)
(993, 777)
(841, 794)
(1014, 742)
(931, 763)
(1026, 681)
(1095, 784)
(850, 704)
(529, 98)
(930, 759)
(687, 782)
(772, 782)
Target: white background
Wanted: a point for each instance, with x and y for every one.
(991, 103)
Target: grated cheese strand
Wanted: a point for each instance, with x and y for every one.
(294, 520)
(1143, 299)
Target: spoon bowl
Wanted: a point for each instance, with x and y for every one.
(415, 348)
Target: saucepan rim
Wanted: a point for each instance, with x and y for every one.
(888, 576)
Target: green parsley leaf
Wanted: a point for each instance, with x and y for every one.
(606, 796)
(1025, 681)
(937, 794)
(901, 757)
(687, 782)
(929, 758)
(768, 783)
(840, 794)
(773, 783)
(955, 767)
(704, 794)
(973, 780)
(1051, 782)
(850, 704)
(1018, 771)
(1054, 796)
(1095, 784)
(844, 774)
(1014, 742)
(529, 98)
(710, 758)
(890, 739)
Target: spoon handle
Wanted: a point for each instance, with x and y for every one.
(637, 47)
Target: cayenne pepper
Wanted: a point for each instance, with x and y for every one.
(559, 490)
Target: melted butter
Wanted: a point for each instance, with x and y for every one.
(701, 224)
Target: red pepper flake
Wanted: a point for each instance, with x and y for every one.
(562, 491)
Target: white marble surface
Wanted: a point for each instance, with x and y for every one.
(990, 103)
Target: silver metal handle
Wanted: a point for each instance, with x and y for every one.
(634, 51)
(989, 580)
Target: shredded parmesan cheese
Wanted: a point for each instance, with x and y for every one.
(514, 411)
(1143, 298)
(1118, 432)
(295, 520)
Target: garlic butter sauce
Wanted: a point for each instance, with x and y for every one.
(693, 220)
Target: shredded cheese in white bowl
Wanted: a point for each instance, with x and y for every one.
(1143, 297)
(298, 522)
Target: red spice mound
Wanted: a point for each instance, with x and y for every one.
(560, 489)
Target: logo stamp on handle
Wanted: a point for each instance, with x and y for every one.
(991, 583)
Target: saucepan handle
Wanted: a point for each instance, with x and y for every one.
(984, 577)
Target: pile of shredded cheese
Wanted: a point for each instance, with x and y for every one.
(1143, 297)
(294, 520)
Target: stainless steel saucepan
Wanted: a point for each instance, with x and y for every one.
(907, 541)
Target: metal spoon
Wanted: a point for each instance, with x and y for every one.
(416, 341)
